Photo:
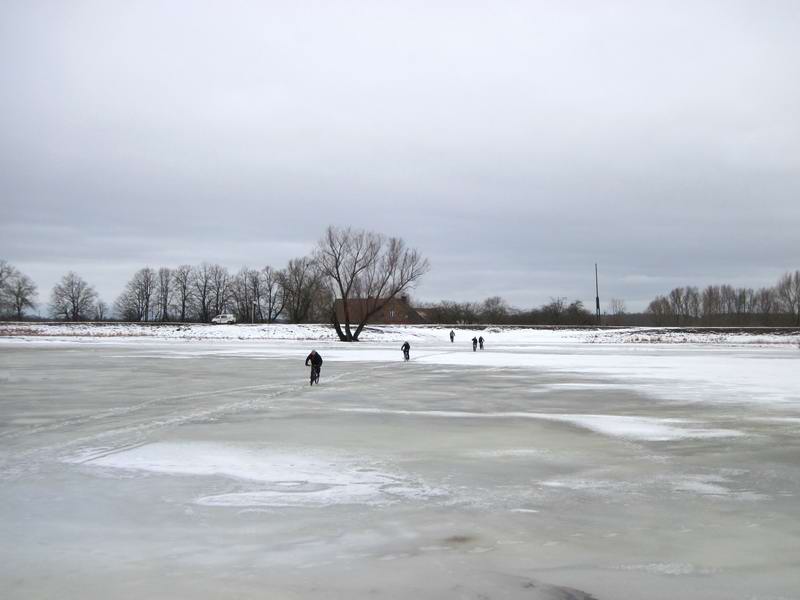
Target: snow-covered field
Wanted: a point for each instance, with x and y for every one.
(499, 334)
(196, 462)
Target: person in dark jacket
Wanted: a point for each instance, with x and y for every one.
(315, 360)
(452, 336)
(474, 344)
(480, 342)
(406, 348)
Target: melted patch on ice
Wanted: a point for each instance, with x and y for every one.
(630, 427)
(596, 486)
(668, 568)
(573, 385)
(702, 485)
(286, 478)
(509, 453)
(718, 485)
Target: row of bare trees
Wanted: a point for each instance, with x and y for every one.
(199, 293)
(725, 305)
(348, 264)
(495, 310)
(347, 279)
(364, 271)
(17, 291)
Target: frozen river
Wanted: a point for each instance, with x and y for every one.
(544, 467)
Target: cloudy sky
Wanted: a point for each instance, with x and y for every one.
(513, 143)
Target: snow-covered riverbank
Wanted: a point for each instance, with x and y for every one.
(389, 333)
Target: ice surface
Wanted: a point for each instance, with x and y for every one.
(196, 462)
(661, 361)
(631, 427)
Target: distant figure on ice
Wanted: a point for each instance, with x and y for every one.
(316, 366)
(452, 336)
(474, 344)
(480, 342)
(406, 348)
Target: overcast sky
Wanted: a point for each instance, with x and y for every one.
(513, 143)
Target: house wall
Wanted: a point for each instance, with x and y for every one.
(396, 312)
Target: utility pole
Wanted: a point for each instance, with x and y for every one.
(597, 294)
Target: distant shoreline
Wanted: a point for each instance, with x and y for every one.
(498, 334)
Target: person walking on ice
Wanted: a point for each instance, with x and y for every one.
(452, 336)
(474, 344)
(406, 348)
(480, 342)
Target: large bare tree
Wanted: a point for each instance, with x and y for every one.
(220, 289)
(661, 310)
(301, 282)
(728, 299)
(272, 299)
(100, 311)
(258, 295)
(765, 304)
(495, 310)
(163, 293)
(72, 298)
(138, 301)
(711, 304)
(22, 293)
(554, 310)
(616, 307)
(7, 272)
(366, 267)
(201, 291)
(244, 289)
(182, 291)
(677, 303)
(788, 291)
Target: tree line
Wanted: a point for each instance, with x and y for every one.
(712, 306)
(198, 293)
(356, 265)
(348, 266)
(725, 305)
(496, 310)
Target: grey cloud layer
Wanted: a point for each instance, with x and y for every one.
(513, 143)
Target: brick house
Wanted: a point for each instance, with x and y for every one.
(396, 311)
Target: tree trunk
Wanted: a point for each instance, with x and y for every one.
(338, 327)
(358, 330)
(346, 309)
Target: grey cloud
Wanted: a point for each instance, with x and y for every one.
(515, 144)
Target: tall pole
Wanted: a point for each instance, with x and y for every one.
(597, 294)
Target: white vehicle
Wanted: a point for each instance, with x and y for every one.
(224, 319)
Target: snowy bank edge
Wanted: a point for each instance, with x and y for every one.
(390, 333)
